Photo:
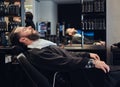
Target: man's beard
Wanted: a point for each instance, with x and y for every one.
(33, 36)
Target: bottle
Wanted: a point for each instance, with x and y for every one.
(82, 44)
(57, 33)
(13, 10)
(2, 8)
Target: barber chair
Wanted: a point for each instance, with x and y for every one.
(33, 74)
(37, 78)
(21, 73)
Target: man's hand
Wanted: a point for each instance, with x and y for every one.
(94, 56)
(101, 65)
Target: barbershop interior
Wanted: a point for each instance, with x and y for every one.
(96, 22)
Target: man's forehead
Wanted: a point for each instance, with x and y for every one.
(18, 29)
(70, 29)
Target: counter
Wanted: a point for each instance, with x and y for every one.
(85, 47)
(115, 55)
(99, 49)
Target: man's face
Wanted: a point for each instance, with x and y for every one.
(71, 31)
(27, 32)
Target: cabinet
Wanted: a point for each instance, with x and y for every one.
(11, 12)
(93, 18)
(115, 55)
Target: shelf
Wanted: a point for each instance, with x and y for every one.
(93, 18)
(94, 14)
(11, 17)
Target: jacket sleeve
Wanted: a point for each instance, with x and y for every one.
(56, 59)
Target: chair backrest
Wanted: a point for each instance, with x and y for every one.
(35, 76)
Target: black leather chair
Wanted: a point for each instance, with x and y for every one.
(33, 74)
(37, 78)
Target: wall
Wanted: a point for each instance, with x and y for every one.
(46, 11)
(113, 24)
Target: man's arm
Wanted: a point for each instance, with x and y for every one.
(61, 60)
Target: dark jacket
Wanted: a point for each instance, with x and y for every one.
(52, 58)
(55, 59)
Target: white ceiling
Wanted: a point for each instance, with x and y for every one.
(64, 1)
(59, 1)
(67, 1)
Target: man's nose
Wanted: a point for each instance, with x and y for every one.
(29, 27)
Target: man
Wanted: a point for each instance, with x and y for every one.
(30, 37)
(46, 56)
(77, 38)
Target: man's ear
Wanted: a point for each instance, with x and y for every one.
(22, 39)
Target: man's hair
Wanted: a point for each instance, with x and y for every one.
(14, 37)
(14, 40)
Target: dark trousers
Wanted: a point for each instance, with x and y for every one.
(95, 78)
(112, 79)
(87, 78)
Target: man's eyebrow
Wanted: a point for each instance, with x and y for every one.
(19, 30)
(13, 31)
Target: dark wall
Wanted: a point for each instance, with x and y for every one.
(70, 14)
